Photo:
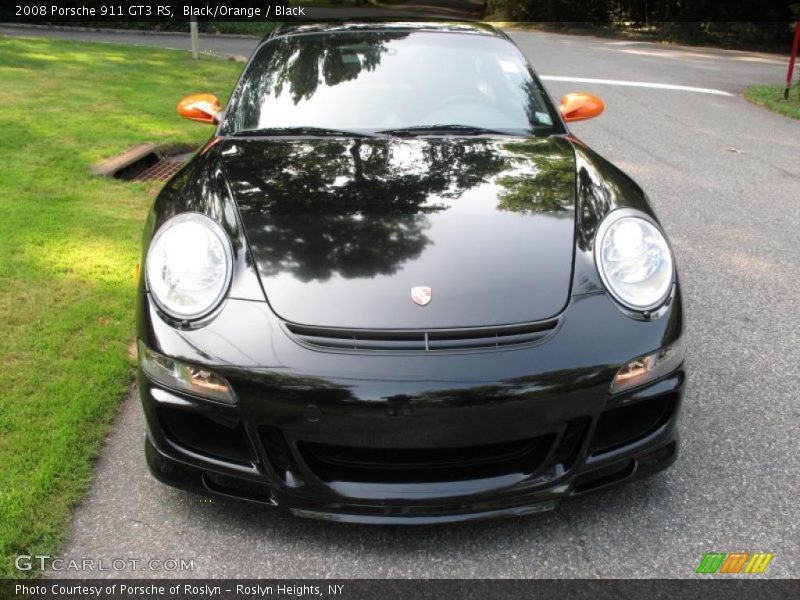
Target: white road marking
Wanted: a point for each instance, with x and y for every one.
(763, 59)
(676, 54)
(641, 84)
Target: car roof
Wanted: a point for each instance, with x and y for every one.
(466, 27)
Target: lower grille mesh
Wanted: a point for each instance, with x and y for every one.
(385, 465)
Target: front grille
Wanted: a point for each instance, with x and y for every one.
(422, 340)
(332, 463)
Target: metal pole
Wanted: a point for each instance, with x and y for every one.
(193, 31)
(795, 44)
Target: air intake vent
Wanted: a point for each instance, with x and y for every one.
(404, 340)
(404, 465)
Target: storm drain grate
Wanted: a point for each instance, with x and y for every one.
(163, 169)
(146, 162)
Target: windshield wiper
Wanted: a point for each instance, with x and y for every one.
(448, 129)
(300, 131)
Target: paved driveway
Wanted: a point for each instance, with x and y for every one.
(724, 177)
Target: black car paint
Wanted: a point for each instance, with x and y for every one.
(417, 400)
(359, 223)
(205, 186)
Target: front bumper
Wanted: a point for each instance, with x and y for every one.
(412, 438)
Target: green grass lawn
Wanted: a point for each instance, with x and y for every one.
(771, 97)
(69, 244)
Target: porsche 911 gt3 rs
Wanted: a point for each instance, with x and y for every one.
(394, 288)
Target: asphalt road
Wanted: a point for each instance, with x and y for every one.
(724, 177)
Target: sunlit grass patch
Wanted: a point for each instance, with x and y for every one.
(771, 97)
(69, 242)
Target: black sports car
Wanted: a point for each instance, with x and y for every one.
(393, 288)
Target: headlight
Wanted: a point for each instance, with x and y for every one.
(189, 266)
(178, 375)
(649, 367)
(634, 259)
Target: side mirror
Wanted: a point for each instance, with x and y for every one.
(203, 108)
(580, 106)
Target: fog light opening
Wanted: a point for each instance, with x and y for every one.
(203, 435)
(627, 424)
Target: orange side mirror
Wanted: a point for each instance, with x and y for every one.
(579, 106)
(203, 108)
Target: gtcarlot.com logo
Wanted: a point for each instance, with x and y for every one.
(44, 562)
(733, 563)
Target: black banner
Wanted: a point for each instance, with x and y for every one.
(160, 10)
(388, 589)
(585, 11)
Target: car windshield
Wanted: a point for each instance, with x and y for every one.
(392, 82)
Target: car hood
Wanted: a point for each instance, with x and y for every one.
(341, 230)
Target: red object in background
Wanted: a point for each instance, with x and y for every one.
(792, 59)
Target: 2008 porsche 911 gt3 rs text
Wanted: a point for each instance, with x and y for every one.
(394, 288)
